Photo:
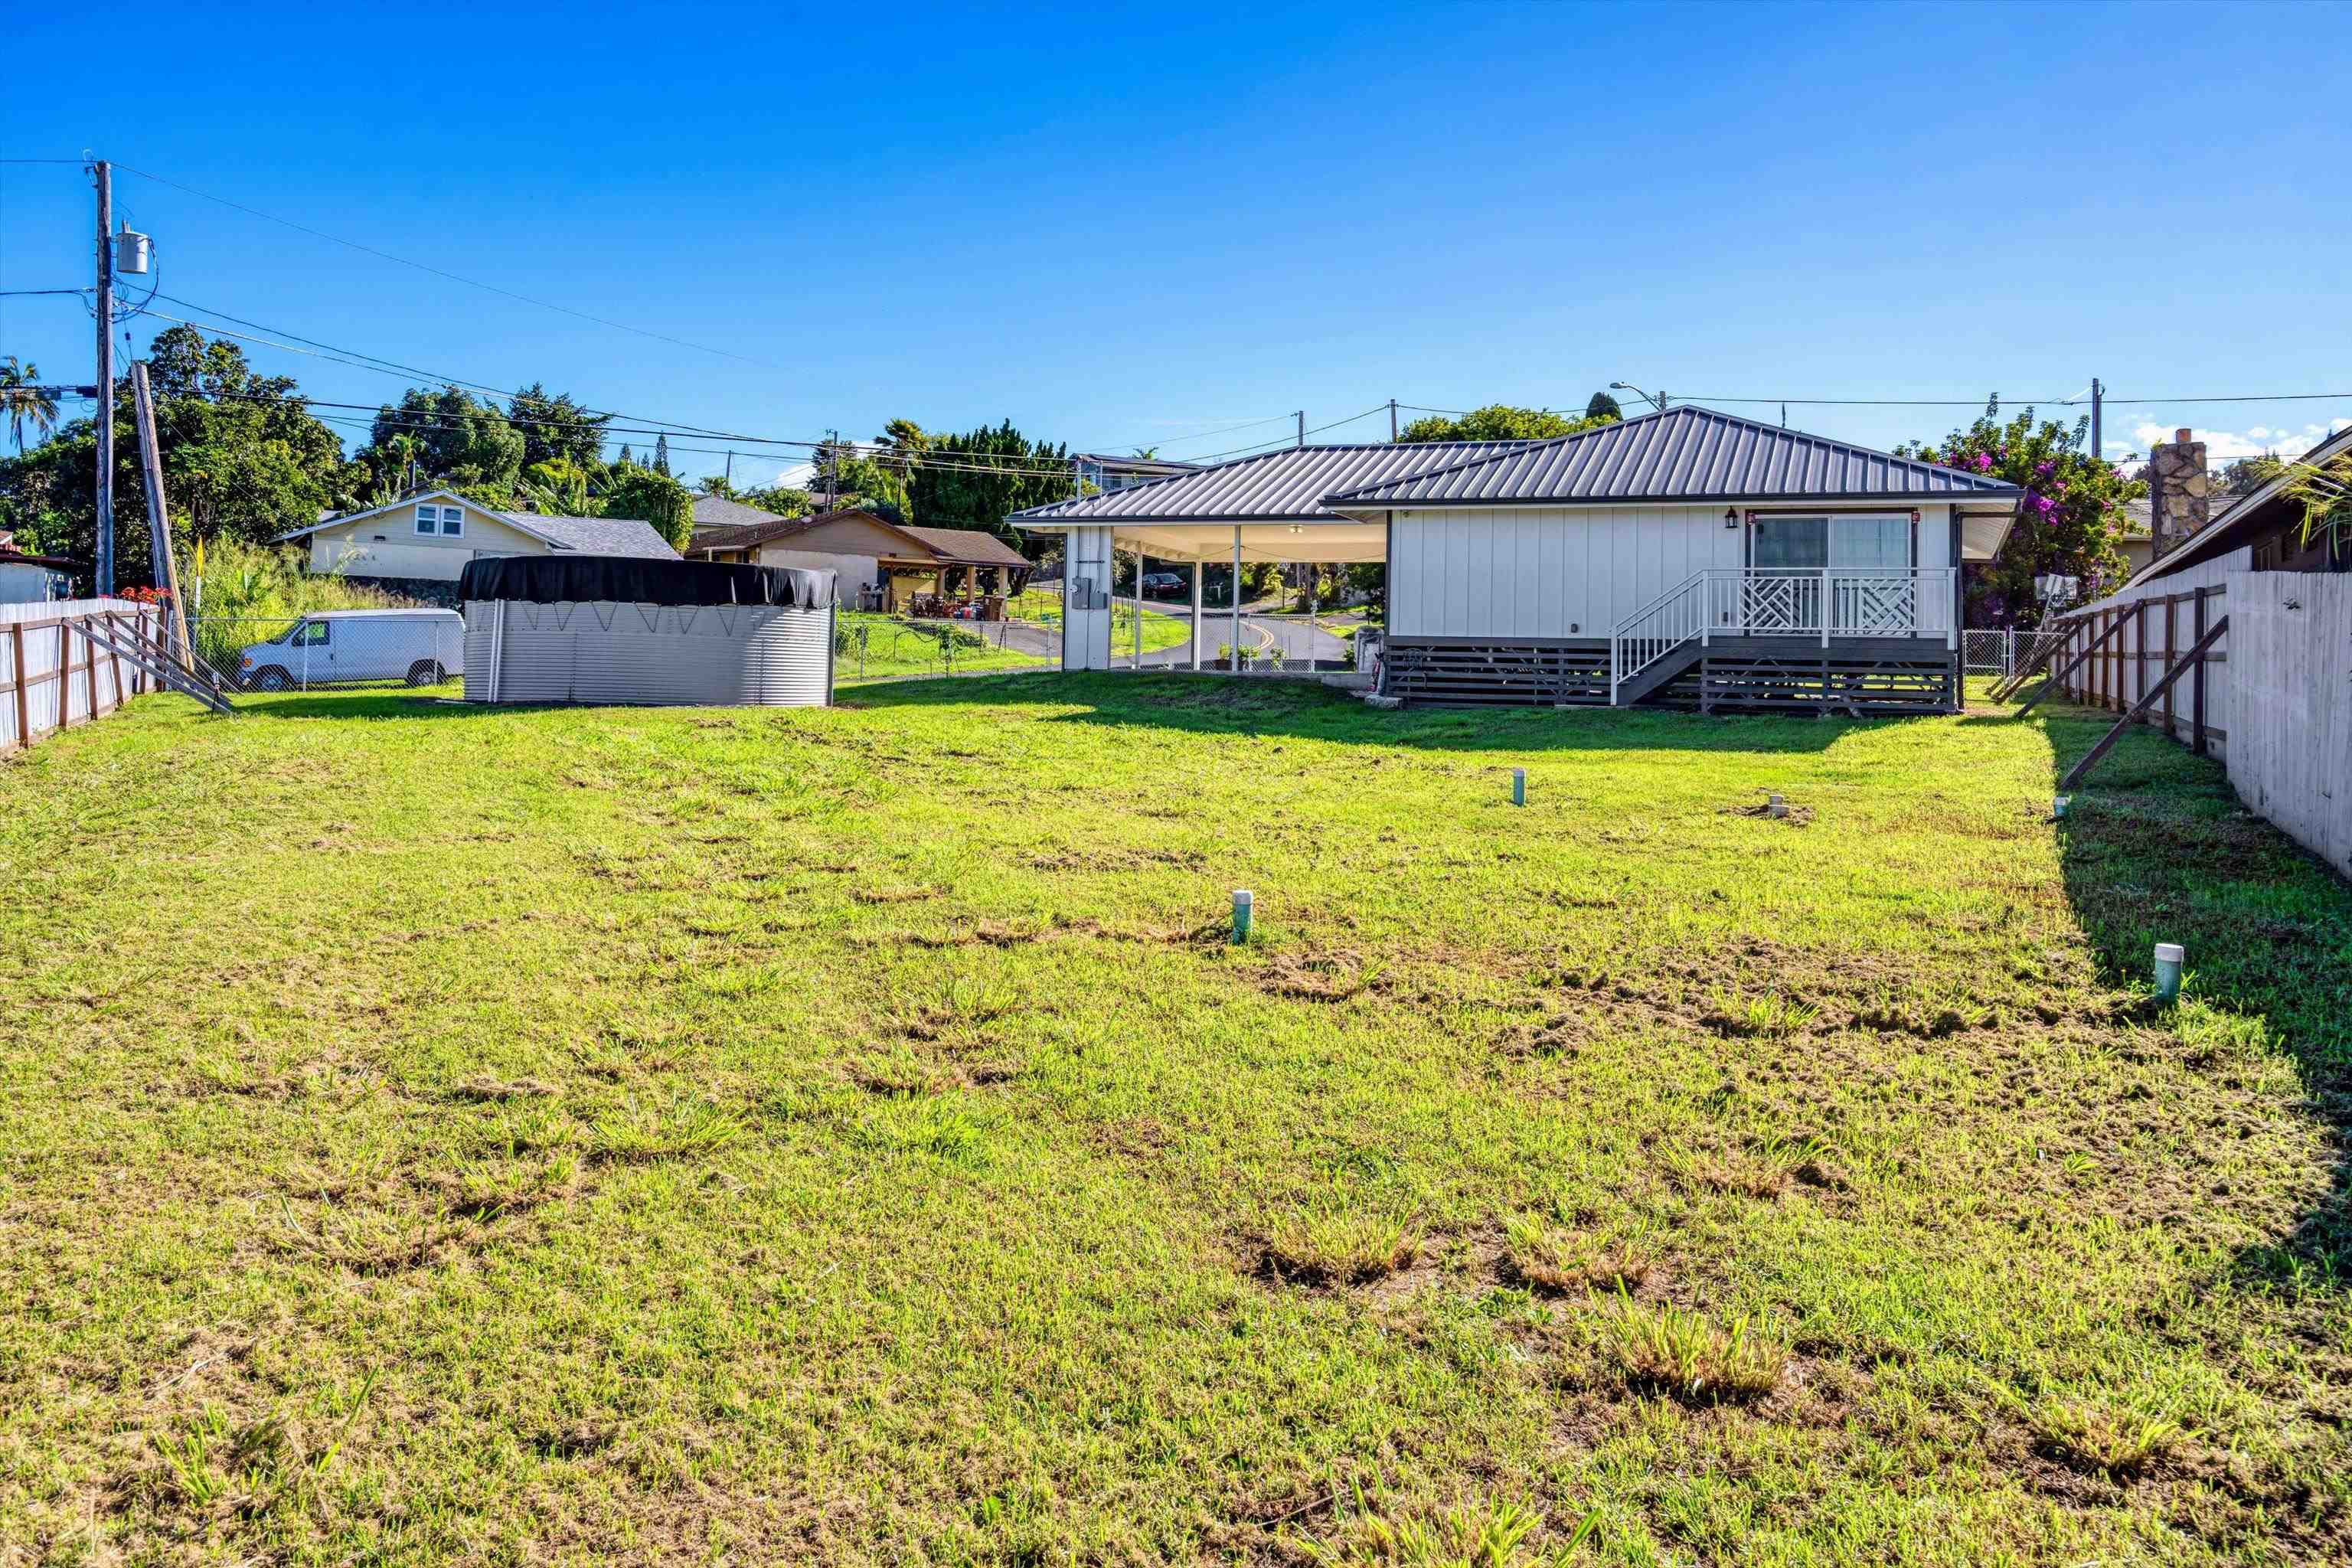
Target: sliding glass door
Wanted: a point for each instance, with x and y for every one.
(1861, 563)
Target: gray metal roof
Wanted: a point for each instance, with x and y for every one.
(720, 511)
(1288, 485)
(594, 535)
(1685, 454)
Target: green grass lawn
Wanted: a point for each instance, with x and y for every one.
(892, 646)
(431, 1134)
(1160, 630)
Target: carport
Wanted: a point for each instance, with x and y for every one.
(1268, 508)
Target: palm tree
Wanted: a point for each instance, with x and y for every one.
(23, 397)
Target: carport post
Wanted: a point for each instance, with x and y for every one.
(1237, 598)
(1192, 638)
(1143, 564)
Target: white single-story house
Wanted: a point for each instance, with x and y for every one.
(1686, 556)
(878, 564)
(420, 545)
(29, 579)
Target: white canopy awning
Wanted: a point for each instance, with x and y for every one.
(1337, 542)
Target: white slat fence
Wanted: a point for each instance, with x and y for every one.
(52, 675)
(2291, 746)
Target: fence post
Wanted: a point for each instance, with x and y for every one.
(2170, 654)
(24, 707)
(2196, 681)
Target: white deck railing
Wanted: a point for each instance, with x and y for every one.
(1826, 603)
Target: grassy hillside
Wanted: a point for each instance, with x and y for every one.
(444, 1135)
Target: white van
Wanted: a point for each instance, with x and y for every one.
(422, 648)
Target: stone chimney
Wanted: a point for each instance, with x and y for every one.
(2175, 490)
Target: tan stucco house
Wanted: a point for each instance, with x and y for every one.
(419, 544)
(880, 564)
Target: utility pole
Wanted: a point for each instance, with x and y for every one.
(1302, 427)
(2097, 393)
(731, 471)
(105, 488)
(1392, 431)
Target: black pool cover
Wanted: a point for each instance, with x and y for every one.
(569, 578)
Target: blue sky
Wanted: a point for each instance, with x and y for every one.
(1122, 227)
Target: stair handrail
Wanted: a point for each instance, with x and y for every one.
(1673, 607)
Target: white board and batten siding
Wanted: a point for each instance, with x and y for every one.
(1571, 572)
(2291, 746)
(38, 643)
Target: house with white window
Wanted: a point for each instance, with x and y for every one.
(1686, 557)
(419, 544)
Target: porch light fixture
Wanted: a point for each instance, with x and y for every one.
(1731, 517)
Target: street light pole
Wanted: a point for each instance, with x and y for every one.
(105, 476)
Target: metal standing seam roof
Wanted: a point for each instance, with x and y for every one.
(1683, 454)
(1285, 486)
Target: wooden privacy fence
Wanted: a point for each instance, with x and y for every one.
(54, 673)
(2115, 656)
(2290, 759)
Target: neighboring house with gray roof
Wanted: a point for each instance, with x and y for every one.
(419, 544)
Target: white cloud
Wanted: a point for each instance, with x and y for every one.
(2225, 445)
(796, 478)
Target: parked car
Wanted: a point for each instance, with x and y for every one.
(422, 648)
(1163, 584)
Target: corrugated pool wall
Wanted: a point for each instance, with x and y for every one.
(53, 676)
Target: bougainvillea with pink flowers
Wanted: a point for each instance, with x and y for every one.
(2070, 524)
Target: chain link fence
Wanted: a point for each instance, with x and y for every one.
(1992, 652)
(329, 649)
(871, 645)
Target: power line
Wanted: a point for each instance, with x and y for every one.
(454, 277)
(654, 426)
(1280, 445)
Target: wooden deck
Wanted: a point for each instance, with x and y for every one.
(1752, 674)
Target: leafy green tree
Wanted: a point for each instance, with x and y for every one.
(654, 496)
(903, 442)
(2324, 491)
(554, 426)
(461, 441)
(780, 499)
(2071, 523)
(557, 487)
(874, 485)
(1603, 407)
(714, 485)
(242, 457)
(978, 478)
(25, 401)
(1499, 422)
(661, 454)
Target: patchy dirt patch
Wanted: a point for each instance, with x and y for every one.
(1794, 815)
(1118, 859)
(908, 894)
(483, 1089)
(1320, 977)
